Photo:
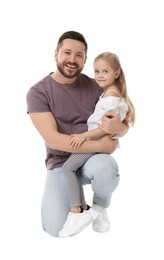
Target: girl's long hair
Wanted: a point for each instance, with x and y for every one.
(120, 83)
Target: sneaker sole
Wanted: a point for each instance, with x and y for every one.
(101, 230)
(82, 228)
(76, 231)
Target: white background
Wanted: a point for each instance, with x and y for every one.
(29, 32)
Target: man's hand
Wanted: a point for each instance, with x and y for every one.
(111, 124)
(108, 145)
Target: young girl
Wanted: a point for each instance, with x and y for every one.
(110, 77)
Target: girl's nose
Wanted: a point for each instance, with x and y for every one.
(100, 75)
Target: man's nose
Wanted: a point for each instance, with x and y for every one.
(72, 58)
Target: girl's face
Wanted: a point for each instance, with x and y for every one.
(104, 74)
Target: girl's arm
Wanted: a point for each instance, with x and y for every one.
(78, 139)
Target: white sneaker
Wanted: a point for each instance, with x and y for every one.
(75, 223)
(93, 213)
(101, 223)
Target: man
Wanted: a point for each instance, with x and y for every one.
(59, 105)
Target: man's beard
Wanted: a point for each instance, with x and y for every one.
(66, 74)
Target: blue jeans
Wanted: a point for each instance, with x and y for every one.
(101, 171)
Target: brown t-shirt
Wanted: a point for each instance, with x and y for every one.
(71, 106)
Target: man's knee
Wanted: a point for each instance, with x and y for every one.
(52, 230)
(101, 163)
(102, 170)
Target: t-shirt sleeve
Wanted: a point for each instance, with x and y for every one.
(36, 101)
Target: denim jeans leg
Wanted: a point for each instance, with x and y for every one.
(55, 202)
(101, 171)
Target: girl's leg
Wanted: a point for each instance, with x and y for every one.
(77, 219)
(75, 189)
(55, 202)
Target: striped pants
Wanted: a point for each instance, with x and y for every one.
(75, 188)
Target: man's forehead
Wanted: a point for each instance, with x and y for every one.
(71, 44)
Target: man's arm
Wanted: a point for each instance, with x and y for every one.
(47, 127)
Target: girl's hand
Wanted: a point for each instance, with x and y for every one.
(77, 140)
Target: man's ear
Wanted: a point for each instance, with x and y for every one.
(85, 59)
(55, 55)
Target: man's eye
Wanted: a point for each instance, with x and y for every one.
(79, 55)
